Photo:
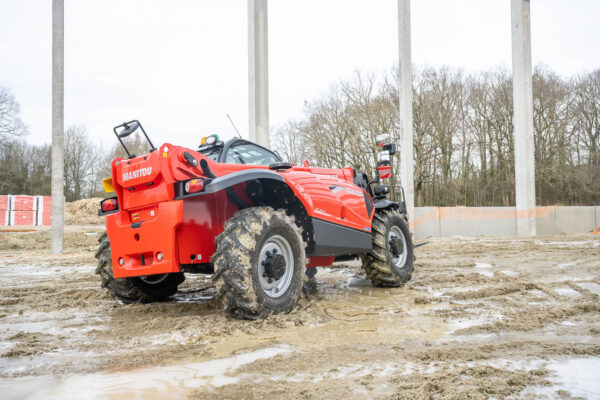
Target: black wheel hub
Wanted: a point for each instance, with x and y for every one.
(274, 265)
(396, 246)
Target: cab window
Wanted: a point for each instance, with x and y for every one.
(248, 153)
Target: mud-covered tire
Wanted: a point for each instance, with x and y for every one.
(241, 246)
(133, 290)
(379, 264)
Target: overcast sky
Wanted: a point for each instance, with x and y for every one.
(180, 66)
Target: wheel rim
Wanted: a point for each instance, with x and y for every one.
(153, 279)
(275, 284)
(396, 239)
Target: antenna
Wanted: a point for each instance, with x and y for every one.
(230, 120)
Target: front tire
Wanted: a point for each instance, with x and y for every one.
(146, 289)
(390, 263)
(259, 263)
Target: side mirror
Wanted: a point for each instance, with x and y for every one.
(128, 129)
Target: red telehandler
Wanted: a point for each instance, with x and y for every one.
(237, 211)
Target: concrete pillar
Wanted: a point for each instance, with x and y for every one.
(58, 142)
(406, 115)
(258, 71)
(523, 118)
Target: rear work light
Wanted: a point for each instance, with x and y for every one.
(194, 186)
(108, 205)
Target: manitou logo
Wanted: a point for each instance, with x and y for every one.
(138, 173)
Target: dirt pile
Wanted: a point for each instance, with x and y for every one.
(83, 212)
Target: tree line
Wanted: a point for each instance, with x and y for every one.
(463, 134)
(463, 138)
(26, 168)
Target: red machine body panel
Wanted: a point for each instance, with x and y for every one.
(150, 221)
(139, 248)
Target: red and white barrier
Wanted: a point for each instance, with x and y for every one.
(44, 210)
(4, 217)
(44, 203)
(44, 218)
(4, 203)
(23, 203)
(24, 210)
(22, 217)
(4, 210)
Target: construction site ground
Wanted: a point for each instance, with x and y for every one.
(481, 318)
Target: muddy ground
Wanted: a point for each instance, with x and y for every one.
(481, 318)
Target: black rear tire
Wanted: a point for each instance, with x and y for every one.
(386, 265)
(134, 290)
(244, 290)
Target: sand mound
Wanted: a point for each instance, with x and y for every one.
(83, 212)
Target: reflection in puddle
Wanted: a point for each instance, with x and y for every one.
(151, 383)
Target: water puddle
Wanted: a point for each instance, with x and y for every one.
(538, 293)
(594, 243)
(578, 376)
(463, 323)
(569, 323)
(361, 315)
(568, 292)
(564, 265)
(356, 371)
(22, 276)
(484, 269)
(52, 323)
(174, 381)
(591, 286)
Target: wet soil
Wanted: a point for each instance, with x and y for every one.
(481, 318)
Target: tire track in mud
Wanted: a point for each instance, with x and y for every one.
(441, 336)
(529, 302)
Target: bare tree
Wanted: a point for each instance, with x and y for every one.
(79, 159)
(288, 142)
(463, 134)
(463, 138)
(10, 123)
